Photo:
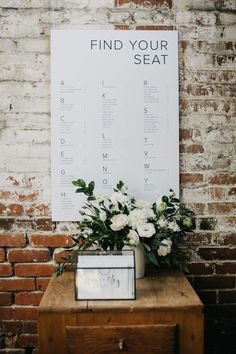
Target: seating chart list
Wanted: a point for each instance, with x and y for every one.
(114, 107)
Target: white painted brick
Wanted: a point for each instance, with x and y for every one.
(21, 66)
(7, 45)
(25, 3)
(10, 89)
(119, 17)
(27, 121)
(26, 165)
(25, 104)
(33, 45)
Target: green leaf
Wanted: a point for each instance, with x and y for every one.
(79, 183)
(120, 185)
(79, 190)
(91, 187)
(165, 199)
(152, 258)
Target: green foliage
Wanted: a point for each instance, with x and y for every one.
(114, 222)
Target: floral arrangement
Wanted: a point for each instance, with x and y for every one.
(119, 220)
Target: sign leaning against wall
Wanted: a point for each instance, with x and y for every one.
(114, 106)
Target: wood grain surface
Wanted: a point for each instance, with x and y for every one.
(116, 339)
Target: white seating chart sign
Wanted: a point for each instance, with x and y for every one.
(114, 105)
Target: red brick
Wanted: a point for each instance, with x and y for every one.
(223, 179)
(14, 284)
(5, 270)
(18, 313)
(201, 268)
(227, 296)
(30, 327)
(2, 255)
(221, 208)
(207, 297)
(214, 282)
(197, 238)
(30, 298)
(185, 134)
(216, 193)
(42, 283)
(8, 240)
(15, 209)
(28, 340)
(50, 240)
(226, 268)
(191, 149)
(227, 239)
(192, 178)
(211, 253)
(28, 197)
(197, 208)
(207, 223)
(58, 256)
(221, 310)
(11, 327)
(44, 225)
(154, 3)
(38, 210)
(35, 270)
(155, 28)
(5, 299)
(6, 224)
(232, 191)
(28, 255)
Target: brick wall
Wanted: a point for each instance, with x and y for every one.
(30, 244)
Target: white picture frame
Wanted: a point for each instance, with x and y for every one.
(105, 275)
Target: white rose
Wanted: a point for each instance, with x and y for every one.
(173, 226)
(102, 215)
(142, 204)
(149, 213)
(118, 197)
(162, 222)
(146, 230)
(165, 248)
(137, 217)
(119, 221)
(161, 206)
(133, 238)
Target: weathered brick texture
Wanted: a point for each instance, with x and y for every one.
(30, 243)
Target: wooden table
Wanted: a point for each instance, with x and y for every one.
(166, 318)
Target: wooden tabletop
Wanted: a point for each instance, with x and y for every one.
(166, 290)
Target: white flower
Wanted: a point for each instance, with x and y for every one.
(133, 238)
(118, 197)
(86, 232)
(137, 217)
(102, 215)
(146, 230)
(162, 222)
(173, 226)
(161, 206)
(100, 198)
(149, 213)
(165, 248)
(172, 194)
(119, 221)
(141, 204)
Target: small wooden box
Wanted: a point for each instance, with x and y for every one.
(166, 318)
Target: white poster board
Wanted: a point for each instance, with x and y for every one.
(115, 114)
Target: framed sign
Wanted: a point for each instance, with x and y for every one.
(114, 104)
(105, 275)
